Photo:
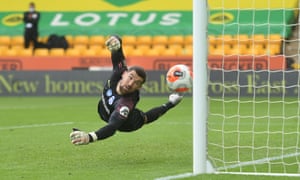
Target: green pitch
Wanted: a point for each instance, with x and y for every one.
(34, 142)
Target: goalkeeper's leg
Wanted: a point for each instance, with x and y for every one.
(154, 113)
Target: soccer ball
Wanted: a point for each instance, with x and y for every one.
(179, 78)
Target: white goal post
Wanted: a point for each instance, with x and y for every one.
(246, 95)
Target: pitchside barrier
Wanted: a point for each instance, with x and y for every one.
(90, 83)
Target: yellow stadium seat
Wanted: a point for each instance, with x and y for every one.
(212, 40)
(57, 52)
(152, 52)
(5, 40)
(188, 40)
(70, 40)
(26, 52)
(176, 39)
(169, 52)
(97, 40)
(274, 39)
(259, 38)
(143, 48)
(238, 49)
(81, 40)
(144, 40)
(177, 47)
(241, 39)
(159, 47)
(89, 52)
(105, 53)
(136, 52)
(17, 41)
(129, 40)
(128, 48)
(41, 52)
(80, 47)
(272, 49)
(10, 52)
(96, 48)
(72, 52)
(160, 40)
(224, 39)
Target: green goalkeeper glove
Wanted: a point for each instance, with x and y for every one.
(82, 138)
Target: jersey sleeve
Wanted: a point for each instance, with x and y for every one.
(118, 59)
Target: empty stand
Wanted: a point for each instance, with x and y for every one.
(72, 52)
(26, 52)
(176, 39)
(81, 40)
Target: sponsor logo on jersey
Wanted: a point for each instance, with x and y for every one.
(111, 100)
(109, 92)
(124, 111)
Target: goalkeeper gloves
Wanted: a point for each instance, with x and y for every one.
(82, 138)
(175, 98)
(113, 43)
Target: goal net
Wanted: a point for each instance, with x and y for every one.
(253, 122)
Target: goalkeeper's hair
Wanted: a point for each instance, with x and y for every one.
(139, 71)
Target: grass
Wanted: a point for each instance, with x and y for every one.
(35, 144)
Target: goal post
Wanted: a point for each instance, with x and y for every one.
(253, 110)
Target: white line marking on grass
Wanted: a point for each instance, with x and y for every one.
(259, 161)
(36, 125)
(175, 176)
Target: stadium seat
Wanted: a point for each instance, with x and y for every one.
(274, 39)
(128, 48)
(241, 39)
(258, 39)
(188, 40)
(238, 49)
(152, 52)
(187, 51)
(80, 47)
(176, 39)
(81, 40)
(72, 52)
(89, 52)
(136, 52)
(144, 40)
(41, 52)
(105, 53)
(10, 52)
(177, 47)
(70, 40)
(159, 48)
(129, 40)
(212, 40)
(224, 39)
(5, 40)
(97, 40)
(17, 41)
(272, 49)
(160, 40)
(57, 52)
(143, 48)
(96, 48)
(169, 52)
(25, 52)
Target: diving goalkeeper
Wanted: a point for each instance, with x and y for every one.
(117, 106)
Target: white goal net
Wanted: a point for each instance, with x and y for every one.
(253, 87)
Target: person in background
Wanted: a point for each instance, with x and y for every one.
(31, 19)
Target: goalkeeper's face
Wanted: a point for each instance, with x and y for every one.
(130, 82)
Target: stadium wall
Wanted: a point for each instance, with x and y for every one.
(90, 83)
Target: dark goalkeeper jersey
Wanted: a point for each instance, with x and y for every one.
(118, 111)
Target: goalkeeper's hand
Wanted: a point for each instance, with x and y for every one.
(175, 98)
(82, 138)
(113, 43)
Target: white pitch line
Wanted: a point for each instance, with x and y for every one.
(179, 176)
(35, 125)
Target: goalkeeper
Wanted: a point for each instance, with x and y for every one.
(117, 105)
